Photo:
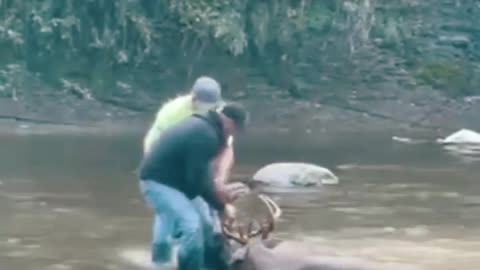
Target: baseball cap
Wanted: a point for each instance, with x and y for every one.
(237, 114)
(208, 91)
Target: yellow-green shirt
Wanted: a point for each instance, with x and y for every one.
(170, 113)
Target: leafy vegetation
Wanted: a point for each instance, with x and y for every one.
(440, 74)
(99, 44)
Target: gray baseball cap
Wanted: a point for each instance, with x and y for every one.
(207, 90)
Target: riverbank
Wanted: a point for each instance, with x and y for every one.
(400, 112)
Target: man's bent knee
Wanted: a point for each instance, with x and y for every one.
(161, 253)
(191, 234)
(191, 229)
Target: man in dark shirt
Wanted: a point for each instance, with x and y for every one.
(177, 170)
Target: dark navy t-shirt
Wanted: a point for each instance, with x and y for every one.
(181, 157)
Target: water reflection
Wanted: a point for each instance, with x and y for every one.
(468, 153)
(72, 203)
(462, 145)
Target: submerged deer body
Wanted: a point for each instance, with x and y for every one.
(257, 252)
(258, 255)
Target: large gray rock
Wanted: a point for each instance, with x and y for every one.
(463, 136)
(295, 174)
(463, 144)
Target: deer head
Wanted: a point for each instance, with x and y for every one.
(252, 233)
(243, 234)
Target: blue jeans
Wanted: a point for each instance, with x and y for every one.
(191, 221)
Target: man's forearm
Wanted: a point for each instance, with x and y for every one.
(212, 195)
(223, 165)
(200, 172)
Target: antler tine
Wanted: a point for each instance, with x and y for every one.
(227, 232)
(275, 213)
(252, 233)
(273, 207)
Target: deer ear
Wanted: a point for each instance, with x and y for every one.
(271, 243)
(239, 255)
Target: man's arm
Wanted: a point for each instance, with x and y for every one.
(163, 119)
(198, 170)
(223, 163)
(155, 129)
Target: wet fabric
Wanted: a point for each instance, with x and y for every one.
(181, 157)
(180, 211)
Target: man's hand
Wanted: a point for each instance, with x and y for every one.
(220, 180)
(233, 190)
(230, 212)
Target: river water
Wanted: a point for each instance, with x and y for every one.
(71, 201)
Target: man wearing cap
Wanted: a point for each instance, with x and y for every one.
(205, 95)
(177, 169)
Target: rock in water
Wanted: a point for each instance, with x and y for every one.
(463, 136)
(292, 174)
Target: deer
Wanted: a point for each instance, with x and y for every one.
(256, 251)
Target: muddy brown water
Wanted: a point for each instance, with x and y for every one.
(71, 201)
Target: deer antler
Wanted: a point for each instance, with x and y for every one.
(242, 237)
(275, 213)
(273, 207)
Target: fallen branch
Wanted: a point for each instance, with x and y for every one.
(38, 121)
(342, 104)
